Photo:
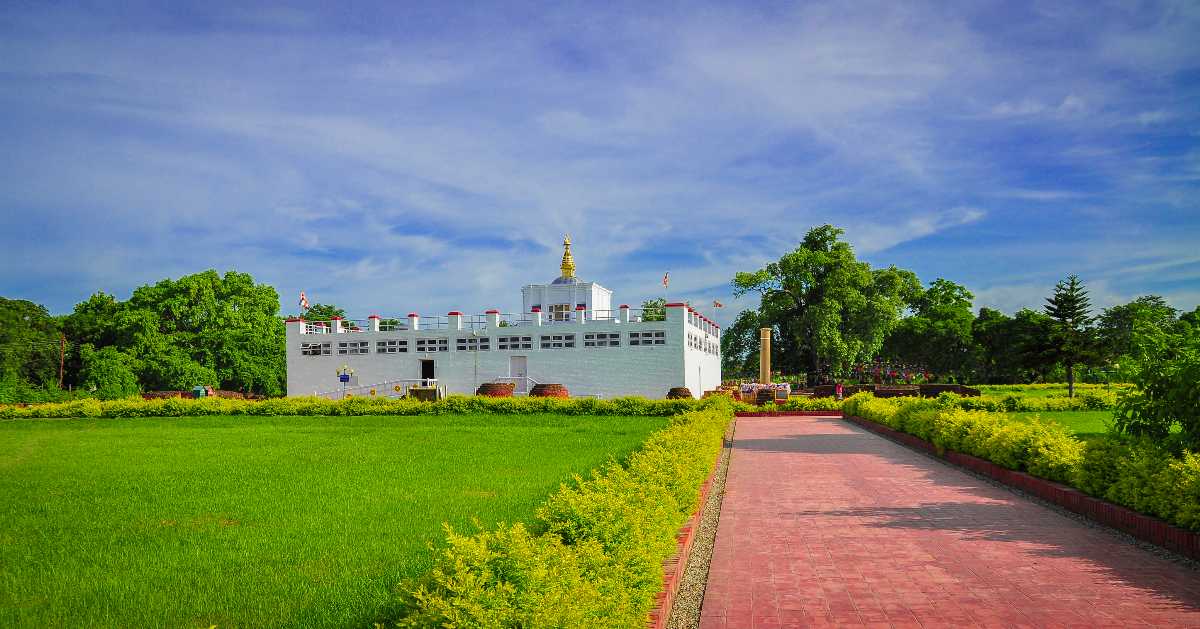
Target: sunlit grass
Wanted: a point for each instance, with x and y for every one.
(262, 521)
(1085, 424)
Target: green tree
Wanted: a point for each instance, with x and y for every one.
(654, 310)
(739, 345)
(938, 334)
(93, 322)
(107, 373)
(1070, 308)
(205, 328)
(29, 344)
(323, 312)
(1117, 326)
(828, 308)
(1167, 379)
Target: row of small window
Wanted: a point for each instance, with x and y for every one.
(483, 343)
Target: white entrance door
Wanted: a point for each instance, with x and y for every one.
(518, 369)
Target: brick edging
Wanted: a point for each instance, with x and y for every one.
(1144, 527)
(830, 413)
(674, 567)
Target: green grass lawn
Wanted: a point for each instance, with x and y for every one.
(1085, 424)
(1057, 391)
(262, 521)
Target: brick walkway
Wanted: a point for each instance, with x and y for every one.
(824, 523)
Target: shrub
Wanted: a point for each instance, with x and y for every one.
(798, 403)
(455, 404)
(1139, 474)
(595, 557)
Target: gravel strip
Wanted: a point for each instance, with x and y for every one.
(685, 613)
(1090, 523)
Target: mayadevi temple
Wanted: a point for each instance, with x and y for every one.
(566, 333)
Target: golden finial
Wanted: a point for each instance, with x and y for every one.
(568, 263)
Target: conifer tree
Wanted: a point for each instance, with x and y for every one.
(1070, 308)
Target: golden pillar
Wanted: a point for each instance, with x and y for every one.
(764, 355)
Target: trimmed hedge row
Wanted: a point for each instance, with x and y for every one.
(1134, 474)
(1042, 449)
(593, 558)
(455, 404)
(1041, 386)
(805, 404)
(1089, 400)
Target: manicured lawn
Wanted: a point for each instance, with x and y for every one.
(1056, 391)
(1085, 424)
(262, 521)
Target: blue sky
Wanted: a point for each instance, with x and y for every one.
(398, 157)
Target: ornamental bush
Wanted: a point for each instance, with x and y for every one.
(1090, 400)
(455, 404)
(1140, 474)
(595, 554)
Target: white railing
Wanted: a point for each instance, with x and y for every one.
(477, 322)
(389, 388)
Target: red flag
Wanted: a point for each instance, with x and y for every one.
(303, 300)
(666, 278)
(717, 304)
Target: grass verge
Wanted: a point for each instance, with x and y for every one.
(1087, 425)
(263, 521)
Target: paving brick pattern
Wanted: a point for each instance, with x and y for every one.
(826, 524)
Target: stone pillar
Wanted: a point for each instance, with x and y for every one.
(414, 321)
(493, 318)
(764, 355)
(454, 320)
(373, 322)
(624, 313)
(536, 315)
(580, 314)
(337, 325)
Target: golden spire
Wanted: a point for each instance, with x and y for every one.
(568, 263)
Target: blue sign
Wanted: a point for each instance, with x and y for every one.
(344, 377)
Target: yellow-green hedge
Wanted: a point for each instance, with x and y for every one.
(1134, 473)
(594, 556)
(455, 404)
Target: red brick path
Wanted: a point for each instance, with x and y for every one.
(824, 523)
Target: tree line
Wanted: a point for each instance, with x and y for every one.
(833, 317)
(206, 328)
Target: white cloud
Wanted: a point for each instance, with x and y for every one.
(343, 160)
(874, 237)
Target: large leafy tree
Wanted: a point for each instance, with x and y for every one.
(29, 344)
(654, 309)
(938, 333)
(1070, 308)
(323, 312)
(739, 345)
(1117, 327)
(1167, 375)
(200, 329)
(1015, 349)
(828, 309)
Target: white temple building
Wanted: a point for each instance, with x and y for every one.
(566, 333)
